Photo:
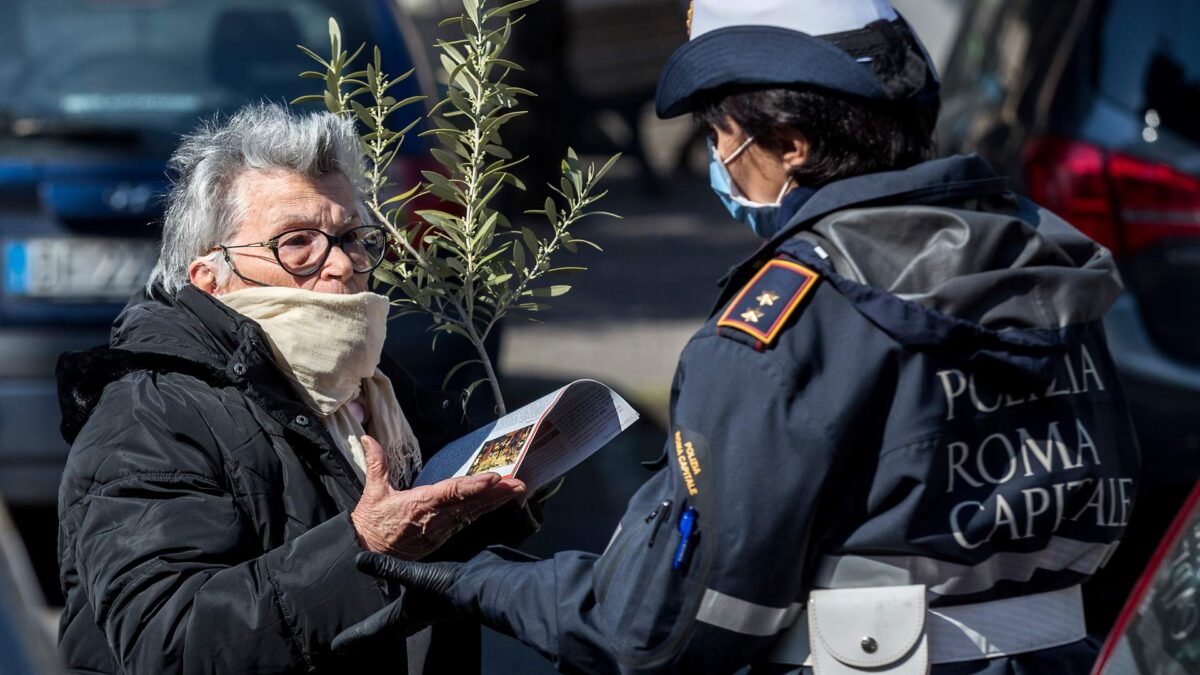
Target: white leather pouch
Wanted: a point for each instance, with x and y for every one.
(868, 630)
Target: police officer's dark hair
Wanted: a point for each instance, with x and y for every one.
(847, 136)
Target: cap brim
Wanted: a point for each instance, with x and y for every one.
(762, 55)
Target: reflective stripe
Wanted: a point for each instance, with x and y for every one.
(984, 630)
(938, 576)
(947, 578)
(611, 540)
(739, 616)
(1005, 627)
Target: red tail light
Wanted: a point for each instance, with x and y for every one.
(1123, 202)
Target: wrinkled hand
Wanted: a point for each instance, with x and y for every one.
(411, 524)
(424, 601)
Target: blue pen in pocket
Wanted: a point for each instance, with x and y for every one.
(687, 535)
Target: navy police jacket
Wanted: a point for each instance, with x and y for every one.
(909, 385)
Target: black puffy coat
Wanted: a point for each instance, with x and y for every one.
(204, 511)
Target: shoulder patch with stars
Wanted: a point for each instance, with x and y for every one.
(764, 305)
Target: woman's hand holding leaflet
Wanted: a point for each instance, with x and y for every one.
(411, 524)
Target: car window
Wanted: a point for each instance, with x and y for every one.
(159, 63)
(1150, 61)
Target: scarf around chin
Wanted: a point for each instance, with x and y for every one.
(330, 345)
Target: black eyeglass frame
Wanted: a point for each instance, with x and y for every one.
(333, 239)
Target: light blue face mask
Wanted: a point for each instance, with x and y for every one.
(760, 217)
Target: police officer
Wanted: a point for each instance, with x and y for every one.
(899, 442)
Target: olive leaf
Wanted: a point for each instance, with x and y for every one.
(464, 264)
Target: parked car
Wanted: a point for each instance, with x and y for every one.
(93, 98)
(1158, 632)
(1091, 107)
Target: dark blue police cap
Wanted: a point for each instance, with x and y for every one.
(784, 43)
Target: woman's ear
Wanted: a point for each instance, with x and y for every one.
(203, 275)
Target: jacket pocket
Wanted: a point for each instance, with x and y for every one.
(644, 601)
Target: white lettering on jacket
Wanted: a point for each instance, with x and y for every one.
(1074, 374)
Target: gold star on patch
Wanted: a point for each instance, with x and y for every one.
(767, 298)
(752, 315)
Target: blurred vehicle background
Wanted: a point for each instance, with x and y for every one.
(1093, 109)
(1090, 106)
(27, 626)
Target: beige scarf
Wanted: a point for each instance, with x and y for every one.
(330, 346)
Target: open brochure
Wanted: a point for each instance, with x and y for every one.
(540, 441)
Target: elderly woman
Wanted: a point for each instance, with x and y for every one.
(240, 440)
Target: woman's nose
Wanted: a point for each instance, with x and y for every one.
(337, 265)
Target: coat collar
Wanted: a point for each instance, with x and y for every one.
(934, 182)
(191, 332)
(930, 182)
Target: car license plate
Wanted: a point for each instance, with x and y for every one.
(77, 268)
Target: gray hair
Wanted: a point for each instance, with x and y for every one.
(204, 210)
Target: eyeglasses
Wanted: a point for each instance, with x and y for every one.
(303, 252)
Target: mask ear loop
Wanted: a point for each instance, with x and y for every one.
(741, 148)
(787, 185)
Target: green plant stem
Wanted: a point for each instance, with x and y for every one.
(488, 370)
(471, 218)
(397, 234)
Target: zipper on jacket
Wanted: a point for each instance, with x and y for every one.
(657, 517)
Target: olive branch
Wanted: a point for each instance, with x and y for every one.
(465, 265)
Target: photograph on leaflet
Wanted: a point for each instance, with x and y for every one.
(501, 454)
